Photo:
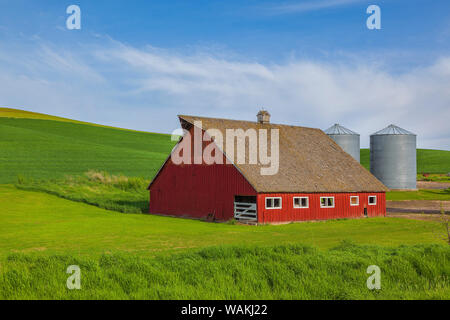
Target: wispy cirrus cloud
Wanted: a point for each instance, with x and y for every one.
(306, 6)
(145, 88)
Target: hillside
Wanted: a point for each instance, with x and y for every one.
(23, 114)
(428, 161)
(41, 146)
(48, 225)
(48, 147)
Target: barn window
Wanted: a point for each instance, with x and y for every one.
(372, 200)
(273, 203)
(327, 202)
(301, 202)
(354, 201)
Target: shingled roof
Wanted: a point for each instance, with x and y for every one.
(309, 160)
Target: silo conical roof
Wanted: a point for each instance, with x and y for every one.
(338, 129)
(393, 130)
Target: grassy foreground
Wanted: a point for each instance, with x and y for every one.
(276, 272)
(137, 256)
(34, 222)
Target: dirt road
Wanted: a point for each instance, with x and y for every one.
(416, 216)
(432, 185)
(417, 206)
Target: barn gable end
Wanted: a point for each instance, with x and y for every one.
(198, 190)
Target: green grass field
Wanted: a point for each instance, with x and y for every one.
(112, 192)
(436, 177)
(46, 149)
(41, 146)
(144, 256)
(65, 209)
(43, 223)
(425, 194)
(276, 272)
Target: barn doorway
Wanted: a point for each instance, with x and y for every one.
(365, 212)
(245, 208)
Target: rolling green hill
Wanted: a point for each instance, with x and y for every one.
(45, 148)
(428, 161)
(41, 146)
(23, 114)
(135, 256)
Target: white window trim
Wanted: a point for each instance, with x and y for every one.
(307, 202)
(281, 203)
(334, 203)
(372, 204)
(354, 205)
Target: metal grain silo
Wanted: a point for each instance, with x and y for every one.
(346, 139)
(393, 157)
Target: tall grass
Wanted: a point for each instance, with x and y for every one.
(99, 188)
(117, 181)
(434, 177)
(241, 272)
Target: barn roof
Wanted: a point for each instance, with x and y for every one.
(309, 160)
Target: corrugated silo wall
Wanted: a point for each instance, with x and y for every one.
(393, 160)
(349, 142)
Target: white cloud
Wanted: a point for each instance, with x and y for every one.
(145, 88)
(300, 7)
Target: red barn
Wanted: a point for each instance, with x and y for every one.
(316, 179)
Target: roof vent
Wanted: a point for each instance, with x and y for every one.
(263, 117)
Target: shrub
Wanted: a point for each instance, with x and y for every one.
(111, 192)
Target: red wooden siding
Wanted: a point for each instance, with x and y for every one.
(342, 207)
(196, 190)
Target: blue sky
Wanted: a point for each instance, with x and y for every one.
(137, 64)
